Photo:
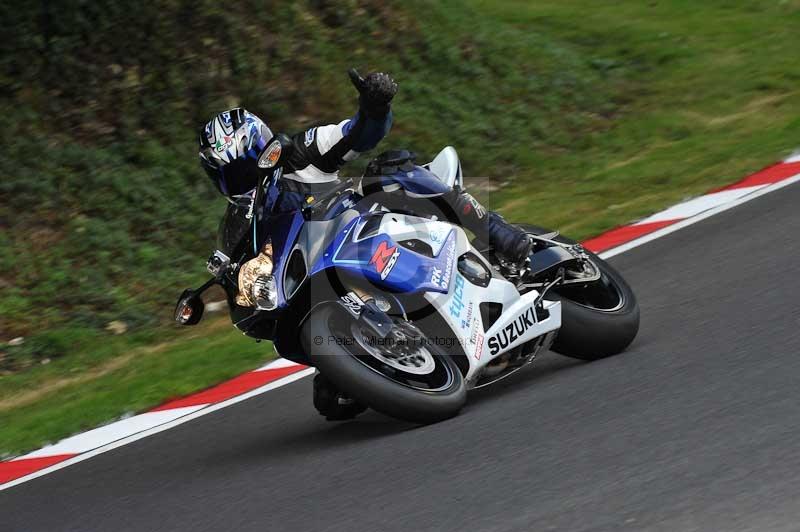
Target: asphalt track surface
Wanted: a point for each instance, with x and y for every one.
(694, 428)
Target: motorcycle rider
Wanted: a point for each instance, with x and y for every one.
(232, 142)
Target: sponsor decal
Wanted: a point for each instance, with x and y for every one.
(457, 305)
(436, 276)
(473, 336)
(352, 302)
(310, 136)
(444, 276)
(471, 204)
(468, 319)
(513, 331)
(437, 234)
(478, 347)
(223, 144)
(479, 210)
(476, 336)
(384, 259)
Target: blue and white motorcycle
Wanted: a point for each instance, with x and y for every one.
(405, 313)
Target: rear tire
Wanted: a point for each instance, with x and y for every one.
(339, 361)
(590, 333)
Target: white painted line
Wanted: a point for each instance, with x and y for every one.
(700, 217)
(700, 204)
(794, 158)
(86, 441)
(155, 430)
(275, 364)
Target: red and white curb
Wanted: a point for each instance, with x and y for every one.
(102, 439)
(692, 211)
(281, 372)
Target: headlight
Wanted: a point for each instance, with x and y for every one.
(249, 272)
(265, 292)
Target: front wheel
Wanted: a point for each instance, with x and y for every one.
(399, 375)
(599, 318)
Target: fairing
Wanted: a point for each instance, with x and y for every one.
(385, 258)
(408, 256)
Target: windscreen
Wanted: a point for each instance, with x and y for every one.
(232, 228)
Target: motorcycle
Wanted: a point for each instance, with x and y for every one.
(405, 313)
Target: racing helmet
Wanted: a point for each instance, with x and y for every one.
(230, 145)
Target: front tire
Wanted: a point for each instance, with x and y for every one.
(374, 383)
(589, 333)
(599, 319)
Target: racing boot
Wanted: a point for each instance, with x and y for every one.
(509, 241)
(332, 403)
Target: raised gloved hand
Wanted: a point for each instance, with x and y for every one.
(376, 91)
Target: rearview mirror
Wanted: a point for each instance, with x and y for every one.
(278, 149)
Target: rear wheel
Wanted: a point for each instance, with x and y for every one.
(400, 375)
(598, 318)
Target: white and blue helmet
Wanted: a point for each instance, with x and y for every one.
(230, 145)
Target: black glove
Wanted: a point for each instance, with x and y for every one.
(376, 92)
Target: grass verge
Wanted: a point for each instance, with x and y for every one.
(707, 93)
(111, 377)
